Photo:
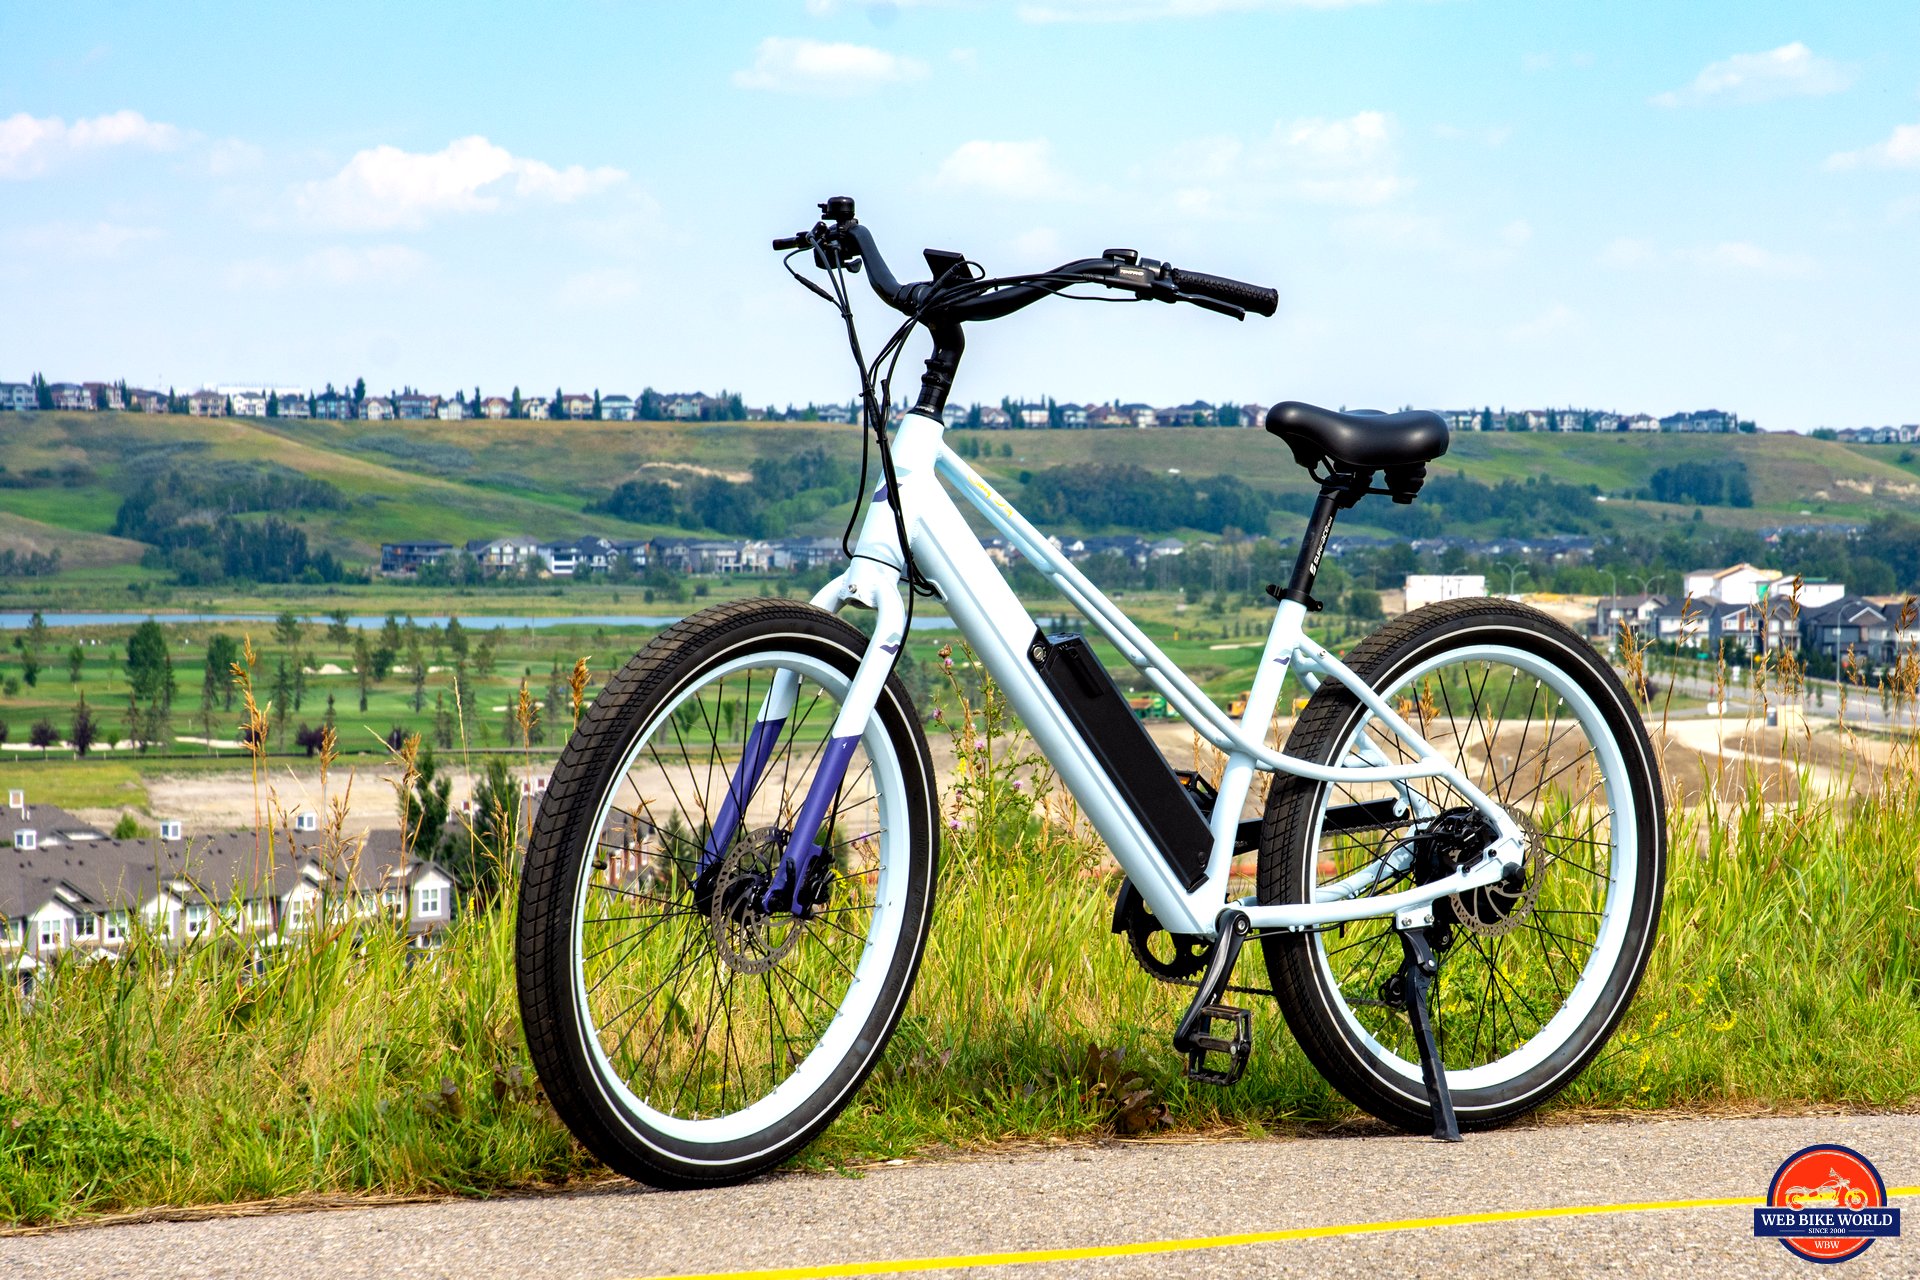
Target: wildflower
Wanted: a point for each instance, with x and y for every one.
(979, 744)
(939, 715)
(1019, 784)
(954, 823)
(946, 663)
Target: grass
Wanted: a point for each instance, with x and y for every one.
(1787, 975)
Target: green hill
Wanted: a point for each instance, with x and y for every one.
(63, 477)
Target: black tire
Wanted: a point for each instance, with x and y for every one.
(562, 846)
(1329, 1014)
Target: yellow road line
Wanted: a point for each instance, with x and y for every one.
(1135, 1249)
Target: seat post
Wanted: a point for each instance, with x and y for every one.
(1313, 545)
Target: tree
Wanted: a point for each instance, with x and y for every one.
(309, 739)
(4, 731)
(84, 731)
(30, 643)
(558, 408)
(442, 721)
(76, 659)
(287, 629)
(223, 654)
(359, 392)
(477, 857)
(150, 665)
(338, 632)
(43, 735)
(483, 654)
(516, 409)
(362, 666)
(456, 638)
(280, 697)
(273, 404)
(596, 404)
(417, 660)
(423, 810)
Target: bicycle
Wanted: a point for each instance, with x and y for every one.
(729, 883)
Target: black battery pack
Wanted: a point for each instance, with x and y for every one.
(1096, 709)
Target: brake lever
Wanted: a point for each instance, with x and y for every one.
(1224, 308)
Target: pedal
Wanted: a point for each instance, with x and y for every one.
(1237, 1044)
(1195, 1036)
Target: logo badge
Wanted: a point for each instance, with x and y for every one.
(1827, 1204)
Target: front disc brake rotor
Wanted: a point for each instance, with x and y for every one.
(746, 937)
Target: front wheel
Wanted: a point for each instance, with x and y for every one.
(685, 1034)
(1532, 979)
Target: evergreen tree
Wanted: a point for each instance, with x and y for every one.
(150, 665)
(516, 410)
(76, 658)
(362, 666)
(84, 732)
(223, 651)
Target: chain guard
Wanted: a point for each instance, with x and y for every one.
(1133, 917)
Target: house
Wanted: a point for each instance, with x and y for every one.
(1031, 416)
(398, 558)
(618, 408)
(1462, 419)
(1606, 422)
(293, 406)
(1106, 416)
(954, 415)
(248, 402)
(454, 410)
(994, 418)
(207, 404)
(1700, 420)
(496, 407)
(376, 409)
(534, 409)
(17, 397)
(415, 406)
(70, 396)
(683, 408)
(1430, 588)
(1073, 416)
(497, 555)
(1640, 422)
(577, 406)
(839, 413)
(1737, 584)
(1638, 612)
(638, 551)
(560, 558)
(1144, 415)
(1850, 625)
(593, 554)
(104, 395)
(1195, 413)
(331, 404)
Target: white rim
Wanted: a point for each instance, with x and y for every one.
(876, 958)
(1622, 877)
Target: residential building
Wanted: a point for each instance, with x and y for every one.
(141, 401)
(17, 397)
(207, 404)
(560, 558)
(496, 407)
(1073, 416)
(70, 396)
(1640, 422)
(1144, 415)
(1462, 419)
(1737, 584)
(577, 406)
(248, 403)
(1851, 625)
(104, 395)
(618, 408)
(376, 409)
(1610, 613)
(1700, 420)
(293, 406)
(331, 404)
(455, 410)
(415, 406)
(498, 555)
(398, 558)
(1032, 416)
(1430, 588)
(994, 418)
(1107, 416)
(534, 409)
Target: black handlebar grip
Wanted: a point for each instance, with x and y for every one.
(791, 242)
(1250, 297)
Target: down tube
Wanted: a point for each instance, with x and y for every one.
(993, 620)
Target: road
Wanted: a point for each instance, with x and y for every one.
(1329, 1206)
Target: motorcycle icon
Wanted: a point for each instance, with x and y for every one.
(1835, 1193)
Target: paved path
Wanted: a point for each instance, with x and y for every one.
(1093, 1198)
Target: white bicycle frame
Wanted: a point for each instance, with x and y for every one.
(994, 622)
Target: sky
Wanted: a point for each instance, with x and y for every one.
(1639, 206)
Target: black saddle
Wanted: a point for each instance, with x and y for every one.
(1359, 444)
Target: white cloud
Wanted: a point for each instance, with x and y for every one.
(600, 287)
(77, 240)
(1741, 258)
(336, 265)
(1143, 10)
(29, 143)
(1018, 169)
(785, 64)
(384, 187)
(1901, 150)
(1791, 71)
(1627, 254)
(1347, 161)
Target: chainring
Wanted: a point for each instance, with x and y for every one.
(1191, 952)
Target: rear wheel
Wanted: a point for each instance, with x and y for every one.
(1532, 981)
(687, 1036)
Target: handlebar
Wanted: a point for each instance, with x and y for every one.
(846, 243)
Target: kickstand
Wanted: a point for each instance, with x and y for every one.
(1416, 975)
